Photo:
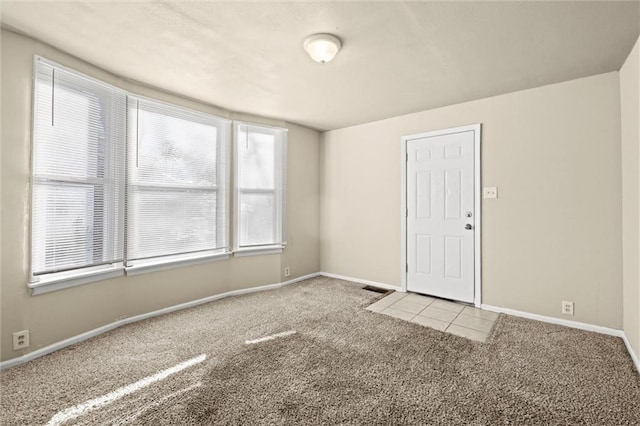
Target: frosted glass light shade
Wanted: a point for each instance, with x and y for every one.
(322, 47)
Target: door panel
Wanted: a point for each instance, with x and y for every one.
(440, 202)
(423, 195)
(453, 257)
(453, 194)
(423, 254)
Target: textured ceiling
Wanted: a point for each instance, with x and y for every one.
(397, 57)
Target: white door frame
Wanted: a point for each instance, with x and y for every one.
(476, 128)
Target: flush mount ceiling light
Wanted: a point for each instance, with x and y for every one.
(322, 47)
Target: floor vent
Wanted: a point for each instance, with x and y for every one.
(376, 289)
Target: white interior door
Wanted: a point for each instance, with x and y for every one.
(440, 215)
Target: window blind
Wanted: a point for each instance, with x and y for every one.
(177, 182)
(260, 185)
(78, 171)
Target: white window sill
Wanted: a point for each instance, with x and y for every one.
(74, 278)
(63, 280)
(154, 265)
(69, 279)
(258, 251)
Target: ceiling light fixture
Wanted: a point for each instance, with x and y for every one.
(322, 47)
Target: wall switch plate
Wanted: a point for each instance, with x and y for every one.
(490, 192)
(20, 340)
(567, 307)
(287, 271)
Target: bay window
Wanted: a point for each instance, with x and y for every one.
(122, 183)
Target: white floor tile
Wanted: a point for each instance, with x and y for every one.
(407, 306)
(396, 313)
(377, 307)
(450, 306)
(455, 318)
(479, 313)
(430, 322)
(418, 298)
(439, 314)
(468, 333)
(474, 323)
(392, 298)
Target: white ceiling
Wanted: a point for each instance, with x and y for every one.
(397, 57)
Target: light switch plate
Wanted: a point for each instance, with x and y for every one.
(490, 192)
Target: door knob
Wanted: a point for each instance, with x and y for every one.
(468, 226)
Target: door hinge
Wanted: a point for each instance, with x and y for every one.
(407, 157)
(406, 213)
(407, 267)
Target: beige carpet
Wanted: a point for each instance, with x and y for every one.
(343, 365)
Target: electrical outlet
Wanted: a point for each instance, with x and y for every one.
(567, 307)
(490, 192)
(20, 340)
(287, 271)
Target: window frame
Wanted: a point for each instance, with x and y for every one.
(157, 263)
(43, 282)
(279, 190)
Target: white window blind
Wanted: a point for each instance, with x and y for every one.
(260, 158)
(177, 183)
(78, 171)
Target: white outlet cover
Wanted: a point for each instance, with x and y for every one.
(567, 307)
(490, 192)
(20, 340)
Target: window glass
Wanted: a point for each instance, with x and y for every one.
(177, 184)
(260, 189)
(78, 171)
(257, 160)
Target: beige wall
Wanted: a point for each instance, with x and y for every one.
(302, 254)
(553, 234)
(56, 316)
(630, 116)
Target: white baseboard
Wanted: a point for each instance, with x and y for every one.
(97, 331)
(553, 320)
(361, 281)
(569, 323)
(634, 356)
(119, 323)
(302, 278)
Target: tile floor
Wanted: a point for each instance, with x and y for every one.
(455, 318)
